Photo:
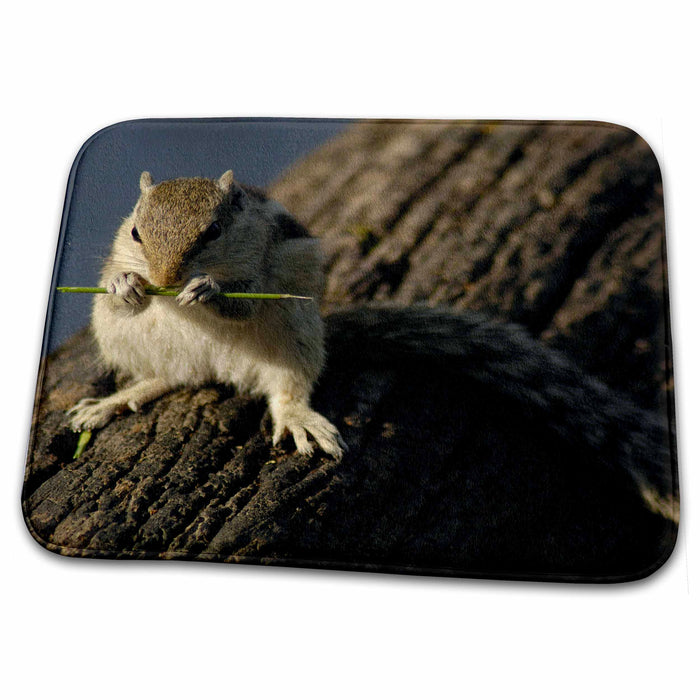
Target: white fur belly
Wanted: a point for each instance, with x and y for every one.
(166, 342)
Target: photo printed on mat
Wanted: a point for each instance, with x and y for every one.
(480, 384)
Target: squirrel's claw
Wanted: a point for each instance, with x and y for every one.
(199, 289)
(129, 287)
(300, 420)
(91, 413)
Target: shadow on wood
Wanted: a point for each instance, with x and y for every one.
(476, 447)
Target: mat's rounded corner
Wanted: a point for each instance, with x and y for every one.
(96, 135)
(650, 570)
(632, 132)
(36, 537)
(59, 551)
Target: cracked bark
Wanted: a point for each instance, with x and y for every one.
(556, 227)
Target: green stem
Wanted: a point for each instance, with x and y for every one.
(83, 441)
(173, 291)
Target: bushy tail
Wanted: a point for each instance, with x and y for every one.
(506, 360)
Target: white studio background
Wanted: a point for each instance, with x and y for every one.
(85, 629)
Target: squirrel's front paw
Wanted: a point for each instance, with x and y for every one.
(129, 287)
(199, 289)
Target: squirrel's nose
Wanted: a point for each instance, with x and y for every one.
(165, 276)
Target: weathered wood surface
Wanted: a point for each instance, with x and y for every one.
(557, 228)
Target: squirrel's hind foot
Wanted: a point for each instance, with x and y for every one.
(300, 420)
(90, 413)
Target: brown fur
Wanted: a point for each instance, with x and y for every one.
(269, 348)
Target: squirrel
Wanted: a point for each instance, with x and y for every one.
(208, 236)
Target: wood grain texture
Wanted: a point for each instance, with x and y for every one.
(477, 447)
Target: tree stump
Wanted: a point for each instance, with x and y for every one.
(558, 228)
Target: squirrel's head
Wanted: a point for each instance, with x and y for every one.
(179, 220)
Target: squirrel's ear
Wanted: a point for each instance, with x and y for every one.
(146, 181)
(233, 192)
(226, 182)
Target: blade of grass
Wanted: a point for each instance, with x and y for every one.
(83, 441)
(172, 292)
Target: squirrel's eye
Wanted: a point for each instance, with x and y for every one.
(135, 235)
(212, 233)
